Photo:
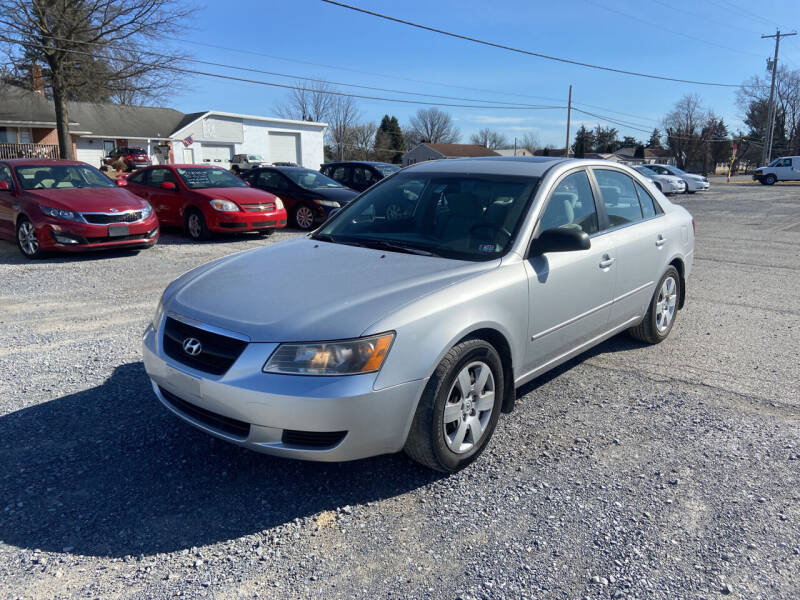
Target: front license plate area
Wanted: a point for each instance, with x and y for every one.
(182, 384)
(117, 230)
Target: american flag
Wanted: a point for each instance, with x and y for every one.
(188, 141)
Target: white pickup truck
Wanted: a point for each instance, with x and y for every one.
(244, 162)
(785, 168)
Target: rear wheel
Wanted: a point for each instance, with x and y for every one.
(27, 241)
(195, 225)
(304, 217)
(663, 309)
(770, 179)
(459, 408)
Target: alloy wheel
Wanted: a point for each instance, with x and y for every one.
(27, 238)
(665, 304)
(304, 217)
(469, 407)
(195, 226)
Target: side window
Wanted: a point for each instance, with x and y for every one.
(787, 162)
(619, 197)
(159, 176)
(363, 176)
(140, 177)
(571, 205)
(5, 175)
(271, 179)
(647, 202)
(340, 174)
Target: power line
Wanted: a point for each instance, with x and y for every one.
(705, 18)
(672, 31)
(521, 51)
(286, 86)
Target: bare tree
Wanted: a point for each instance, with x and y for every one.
(753, 100)
(489, 139)
(435, 126)
(309, 101)
(66, 34)
(531, 142)
(684, 125)
(363, 138)
(344, 115)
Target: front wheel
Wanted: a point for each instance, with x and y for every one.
(458, 411)
(195, 225)
(304, 217)
(27, 241)
(663, 309)
(770, 179)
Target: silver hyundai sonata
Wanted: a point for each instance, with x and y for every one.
(408, 319)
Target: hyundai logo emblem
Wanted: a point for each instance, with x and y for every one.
(192, 346)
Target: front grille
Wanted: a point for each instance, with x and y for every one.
(262, 207)
(263, 223)
(233, 225)
(218, 352)
(313, 439)
(122, 238)
(232, 427)
(103, 219)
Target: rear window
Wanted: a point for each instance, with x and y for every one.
(387, 170)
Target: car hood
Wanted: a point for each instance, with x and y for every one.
(341, 195)
(87, 199)
(246, 195)
(305, 290)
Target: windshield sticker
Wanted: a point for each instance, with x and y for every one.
(486, 248)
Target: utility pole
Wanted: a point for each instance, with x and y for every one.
(569, 114)
(771, 113)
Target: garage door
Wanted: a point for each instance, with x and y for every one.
(217, 155)
(91, 153)
(284, 147)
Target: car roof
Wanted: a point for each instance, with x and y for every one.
(40, 162)
(373, 163)
(531, 166)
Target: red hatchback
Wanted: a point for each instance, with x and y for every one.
(204, 199)
(69, 205)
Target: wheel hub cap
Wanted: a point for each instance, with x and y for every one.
(469, 407)
(666, 304)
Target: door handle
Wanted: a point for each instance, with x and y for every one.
(607, 261)
(660, 240)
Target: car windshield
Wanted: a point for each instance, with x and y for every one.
(46, 177)
(775, 163)
(306, 178)
(254, 157)
(467, 217)
(200, 178)
(387, 170)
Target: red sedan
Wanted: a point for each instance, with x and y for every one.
(69, 205)
(204, 199)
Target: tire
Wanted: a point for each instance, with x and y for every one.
(660, 318)
(770, 179)
(303, 217)
(194, 224)
(266, 232)
(27, 242)
(451, 446)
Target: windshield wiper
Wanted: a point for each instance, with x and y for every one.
(397, 247)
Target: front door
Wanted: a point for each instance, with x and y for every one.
(7, 200)
(167, 203)
(570, 292)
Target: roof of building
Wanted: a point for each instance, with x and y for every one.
(630, 152)
(461, 150)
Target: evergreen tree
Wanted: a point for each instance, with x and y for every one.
(655, 140)
(584, 142)
(389, 142)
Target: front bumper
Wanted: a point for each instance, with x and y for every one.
(246, 221)
(270, 413)
(674, 187)
(55, 234)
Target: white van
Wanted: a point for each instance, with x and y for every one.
(785, 168)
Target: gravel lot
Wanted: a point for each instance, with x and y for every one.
(631, 472)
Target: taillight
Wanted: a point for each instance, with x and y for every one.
(693, 230)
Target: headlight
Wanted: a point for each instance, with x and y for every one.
(278, 203)
(224, 205)
(58, 213)
(348, 357)
(146, 211)
(330, 203)
(159, 315)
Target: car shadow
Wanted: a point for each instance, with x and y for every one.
(10, 255)
(109, 472)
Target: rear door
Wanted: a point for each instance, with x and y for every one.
(570, 292)
(795, 171)
(7, 200)
(274, 183)
(637, 232)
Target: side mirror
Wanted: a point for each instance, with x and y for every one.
(121, 182)
(248, 183)
(4, 187)
(168, 185)
(560, 239)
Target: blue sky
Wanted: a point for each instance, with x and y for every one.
(706, 40)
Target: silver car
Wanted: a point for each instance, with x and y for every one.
(694, 183)
(666, 183)
(407, 321)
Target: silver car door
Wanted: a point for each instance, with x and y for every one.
(637, 231)
(570, 292)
